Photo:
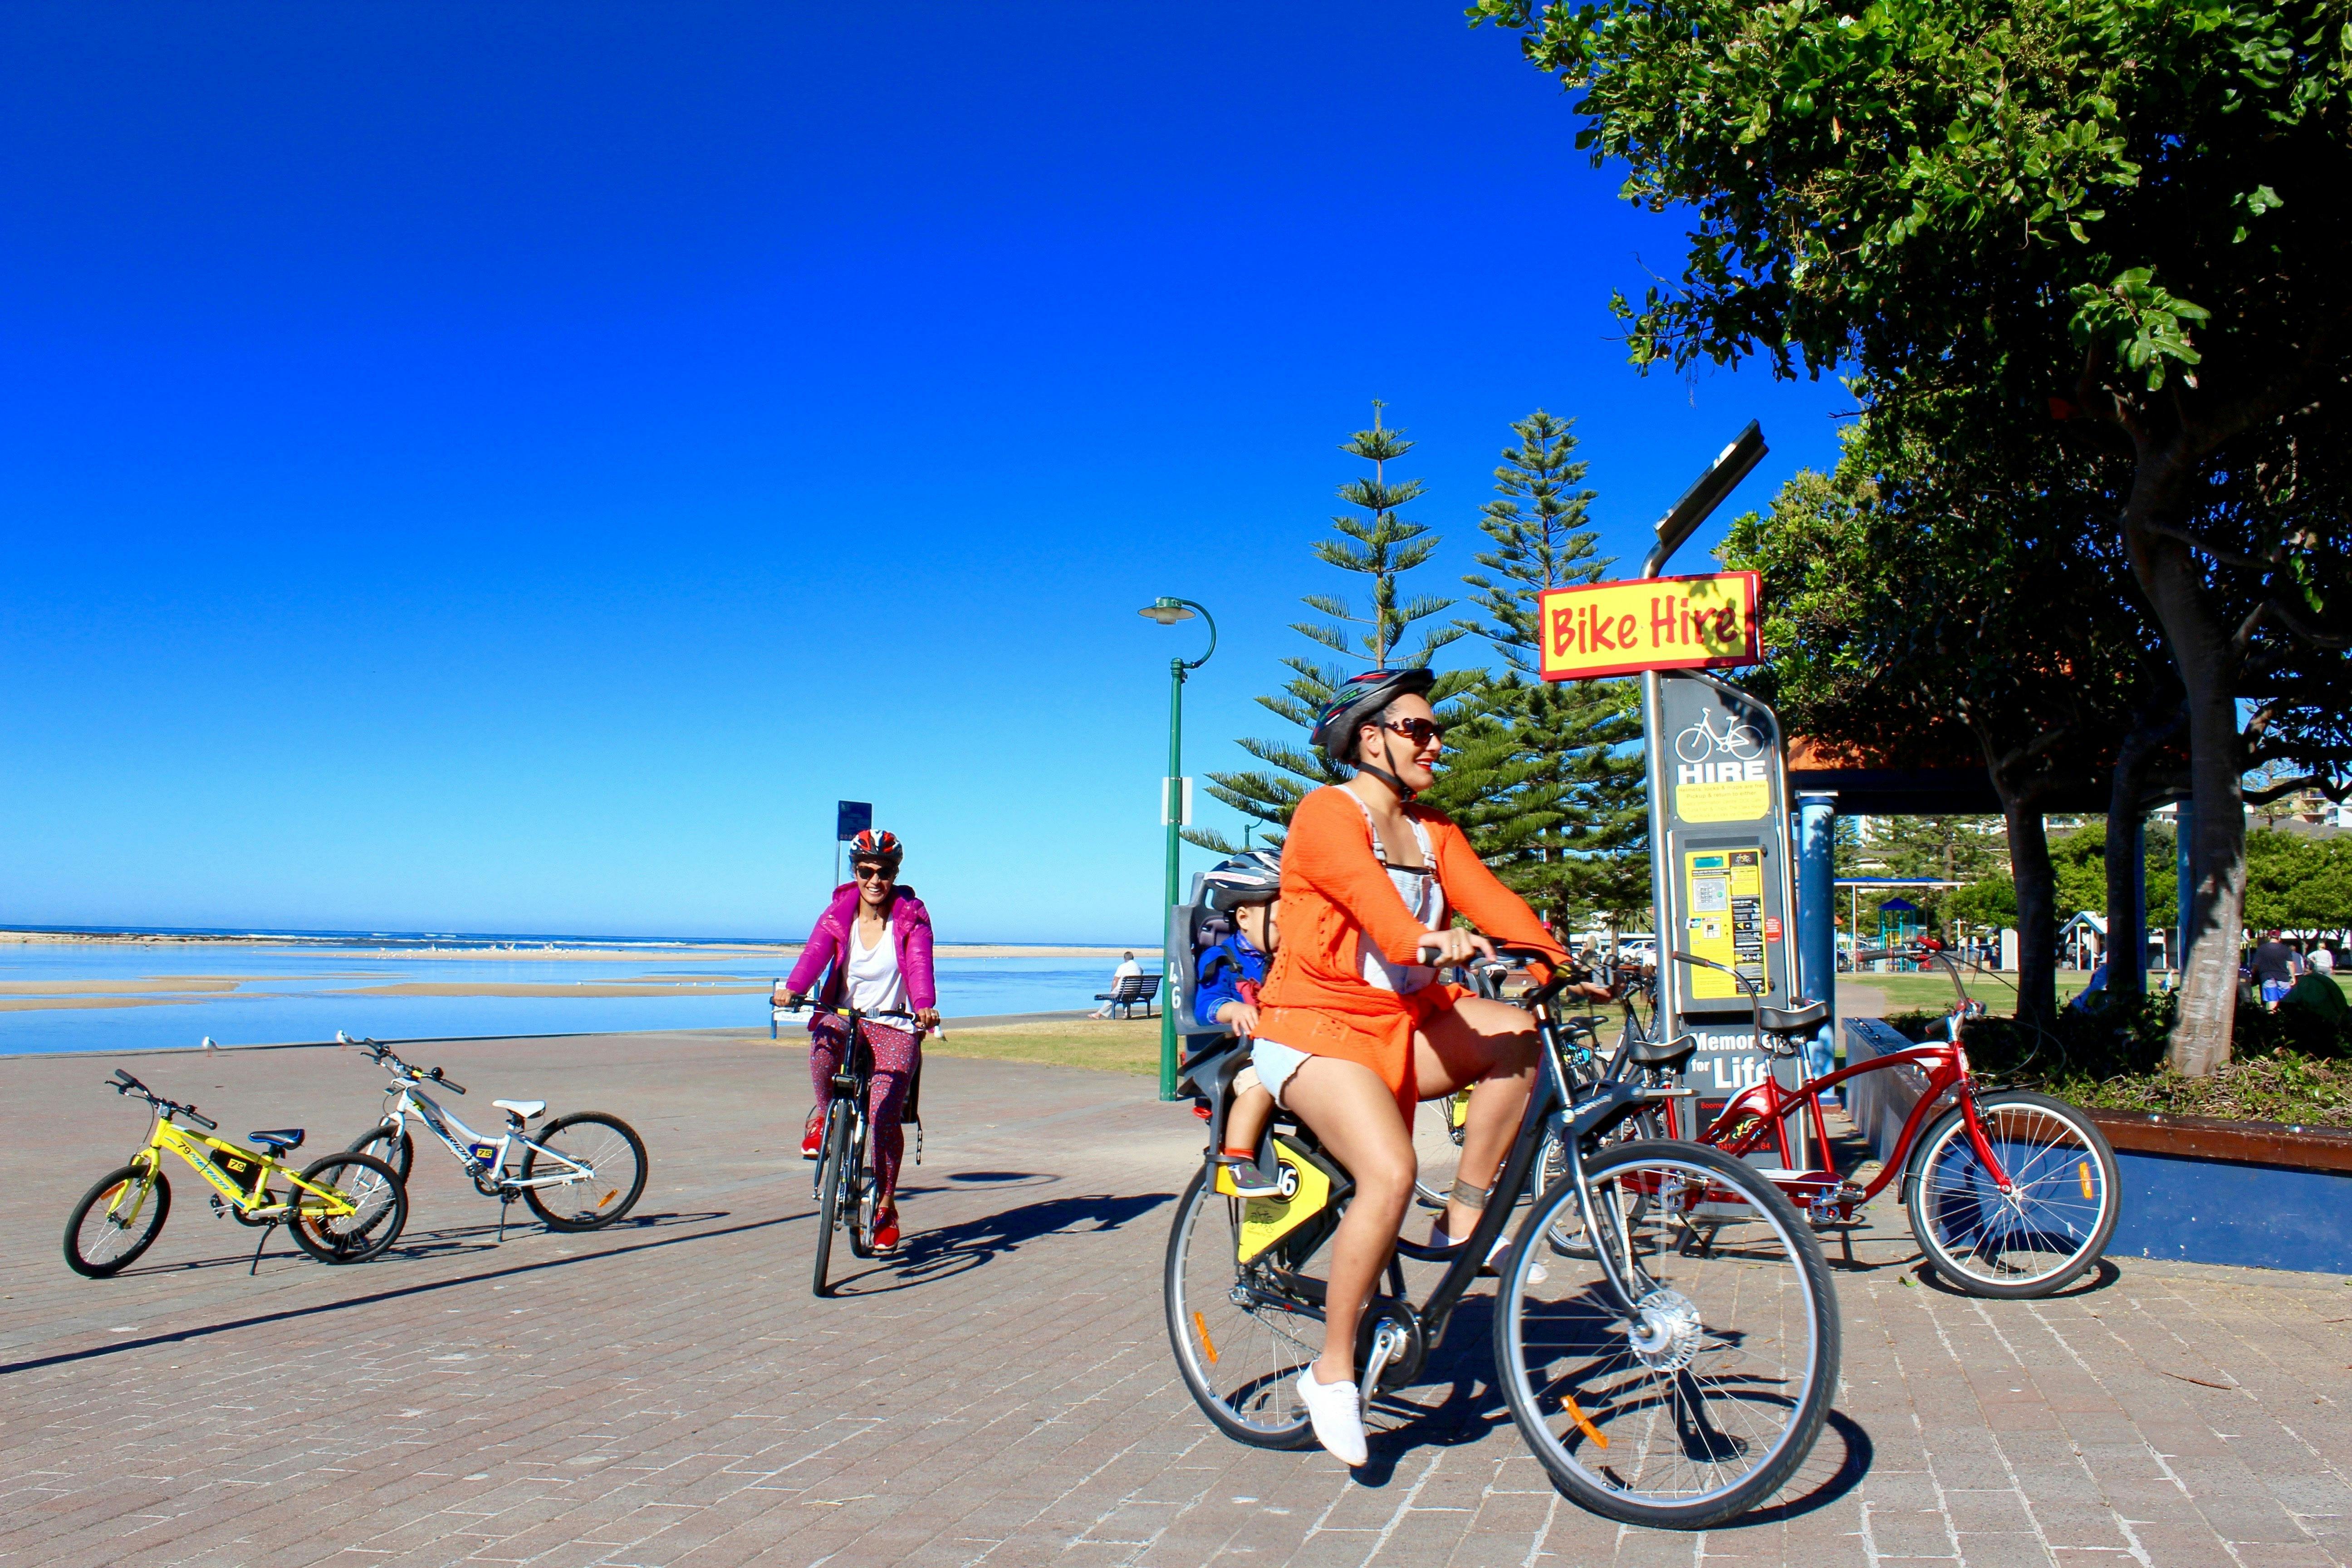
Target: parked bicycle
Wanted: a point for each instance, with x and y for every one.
(2010, 1193)
(582, 1172)
(1664, 1374)
(848, 1189)
(345, 1208)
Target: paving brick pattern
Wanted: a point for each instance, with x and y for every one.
(669, 1394)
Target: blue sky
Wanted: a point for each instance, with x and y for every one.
(515, 468)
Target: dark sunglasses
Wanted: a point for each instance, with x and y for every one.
(875, 873)
(1419, 731)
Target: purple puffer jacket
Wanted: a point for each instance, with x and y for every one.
(910, 933)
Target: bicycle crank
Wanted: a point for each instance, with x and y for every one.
(1389, 1346)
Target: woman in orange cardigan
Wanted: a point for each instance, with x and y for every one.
(1354, 1027)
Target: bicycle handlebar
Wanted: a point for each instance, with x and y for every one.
(123, 1083)
(451, 1084)
(377, 1051)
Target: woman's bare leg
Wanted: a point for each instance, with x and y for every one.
(1493, 1045)
(1352, 1112)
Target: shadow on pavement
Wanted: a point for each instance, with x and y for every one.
(205, 1331)
(959, 1248)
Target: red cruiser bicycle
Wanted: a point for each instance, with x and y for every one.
(2011, 1194)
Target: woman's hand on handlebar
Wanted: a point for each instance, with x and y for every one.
(1455, 946)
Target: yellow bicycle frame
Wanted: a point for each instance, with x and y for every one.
(258, 1204)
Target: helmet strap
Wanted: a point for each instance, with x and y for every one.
(1385, 774)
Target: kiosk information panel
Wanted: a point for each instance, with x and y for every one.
(1719, 823)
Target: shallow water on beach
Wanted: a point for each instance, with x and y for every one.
(123, 996)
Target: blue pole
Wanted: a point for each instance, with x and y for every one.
(1817, 918)
(2139, 902)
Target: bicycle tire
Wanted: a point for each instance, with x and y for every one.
(2052, 1151)
(1725, 1382)
(380, 1199)
(1256, 1400)
(394, 1148)
(92, 1262)
(602, 1201)
(828, 1207)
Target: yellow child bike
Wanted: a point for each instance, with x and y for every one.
(345, 1208)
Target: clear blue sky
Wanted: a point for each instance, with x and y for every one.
(514, 468)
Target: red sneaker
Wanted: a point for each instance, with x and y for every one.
(885, 1234)
(812, 1136)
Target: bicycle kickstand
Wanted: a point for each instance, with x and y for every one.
(256, 1266)
(505, 1202)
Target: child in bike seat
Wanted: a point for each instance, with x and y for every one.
(1228, 976)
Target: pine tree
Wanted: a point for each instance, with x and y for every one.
(1573, 840)
(1381, 545)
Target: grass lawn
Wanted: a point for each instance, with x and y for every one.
(1098, 1044)
(1933, 992)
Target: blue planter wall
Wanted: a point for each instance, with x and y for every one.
(2217, 1211)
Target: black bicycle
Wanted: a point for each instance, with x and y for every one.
(1664, 1333)
(848, 1190)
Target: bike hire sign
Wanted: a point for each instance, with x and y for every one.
(1650, 622)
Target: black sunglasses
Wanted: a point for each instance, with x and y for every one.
(1419, 731)
(875, 873)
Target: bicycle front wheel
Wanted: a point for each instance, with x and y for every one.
(830, 1175)
(594, 1168)
(116, 1221)
(2053, 1223)
(387, 1143)
(372, 1192)
(1692, 1396)
(1240, 1343)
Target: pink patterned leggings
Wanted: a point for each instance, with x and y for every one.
(896, 1052)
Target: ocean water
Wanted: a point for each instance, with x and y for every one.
(301, 990)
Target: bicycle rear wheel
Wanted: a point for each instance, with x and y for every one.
(828, 1187)
(1240, 1347)
(603, 1162)
(117, 1220)
(2051, 1224)
(379, 1208)
(1700, 1403)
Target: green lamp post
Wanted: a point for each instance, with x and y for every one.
(1168, 612)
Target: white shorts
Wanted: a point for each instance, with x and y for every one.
(1275, 1064)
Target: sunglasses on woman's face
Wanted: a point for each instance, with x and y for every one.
(1419, 731)
(875, 873)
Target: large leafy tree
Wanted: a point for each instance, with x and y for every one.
(1579, 840)
(2126, 213)
(1379, 544)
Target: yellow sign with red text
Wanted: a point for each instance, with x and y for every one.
(1650, 623)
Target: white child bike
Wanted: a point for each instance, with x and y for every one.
(582, 1172)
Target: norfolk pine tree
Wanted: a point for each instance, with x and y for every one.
(1577, 833)
(1381, 545)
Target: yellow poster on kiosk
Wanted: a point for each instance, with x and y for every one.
(1722, 890)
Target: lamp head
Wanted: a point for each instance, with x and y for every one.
(1167, 612)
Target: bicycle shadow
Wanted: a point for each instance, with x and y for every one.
(413, 1245)
(953, 1249)
(1473, 1407)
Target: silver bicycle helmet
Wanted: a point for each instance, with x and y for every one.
(1251, 878)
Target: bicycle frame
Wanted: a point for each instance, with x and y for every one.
(192, 1147)
(482, 1159)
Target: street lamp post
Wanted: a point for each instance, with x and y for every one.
(1168, 612)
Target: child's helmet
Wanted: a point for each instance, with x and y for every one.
(1251, 878)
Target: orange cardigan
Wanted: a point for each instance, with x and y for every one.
(1316, 998)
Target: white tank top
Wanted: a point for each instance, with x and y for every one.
(1423, 900)
(875, 983)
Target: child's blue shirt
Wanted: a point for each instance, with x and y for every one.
(1223, 969)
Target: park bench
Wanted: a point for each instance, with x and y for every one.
(1130, 991)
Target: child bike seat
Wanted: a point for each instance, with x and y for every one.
(1795, 1020)
(279, 1140)
(525, 1108)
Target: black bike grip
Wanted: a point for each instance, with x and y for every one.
(124, 1076)
(452, 1085)
(206, 1122)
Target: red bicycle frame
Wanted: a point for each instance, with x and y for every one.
(1758, 1117)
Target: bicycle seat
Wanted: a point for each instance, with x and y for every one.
(1665, 1053)
(525, 1108)
(279, 1140)
(1795, 1020)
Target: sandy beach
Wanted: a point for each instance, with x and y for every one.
(507, 952)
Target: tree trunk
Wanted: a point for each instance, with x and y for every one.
(2205, 660)
(2127, 861)
(2037, 925)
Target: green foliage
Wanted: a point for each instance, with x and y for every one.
(2295, 883)
(1381, 546)
(1566, 823)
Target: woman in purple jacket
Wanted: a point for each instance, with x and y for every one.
(876, 936)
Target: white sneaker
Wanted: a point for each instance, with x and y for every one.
(1439, 1239)
(1337, 1413)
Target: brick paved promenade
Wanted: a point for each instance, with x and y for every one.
(669, 1394)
